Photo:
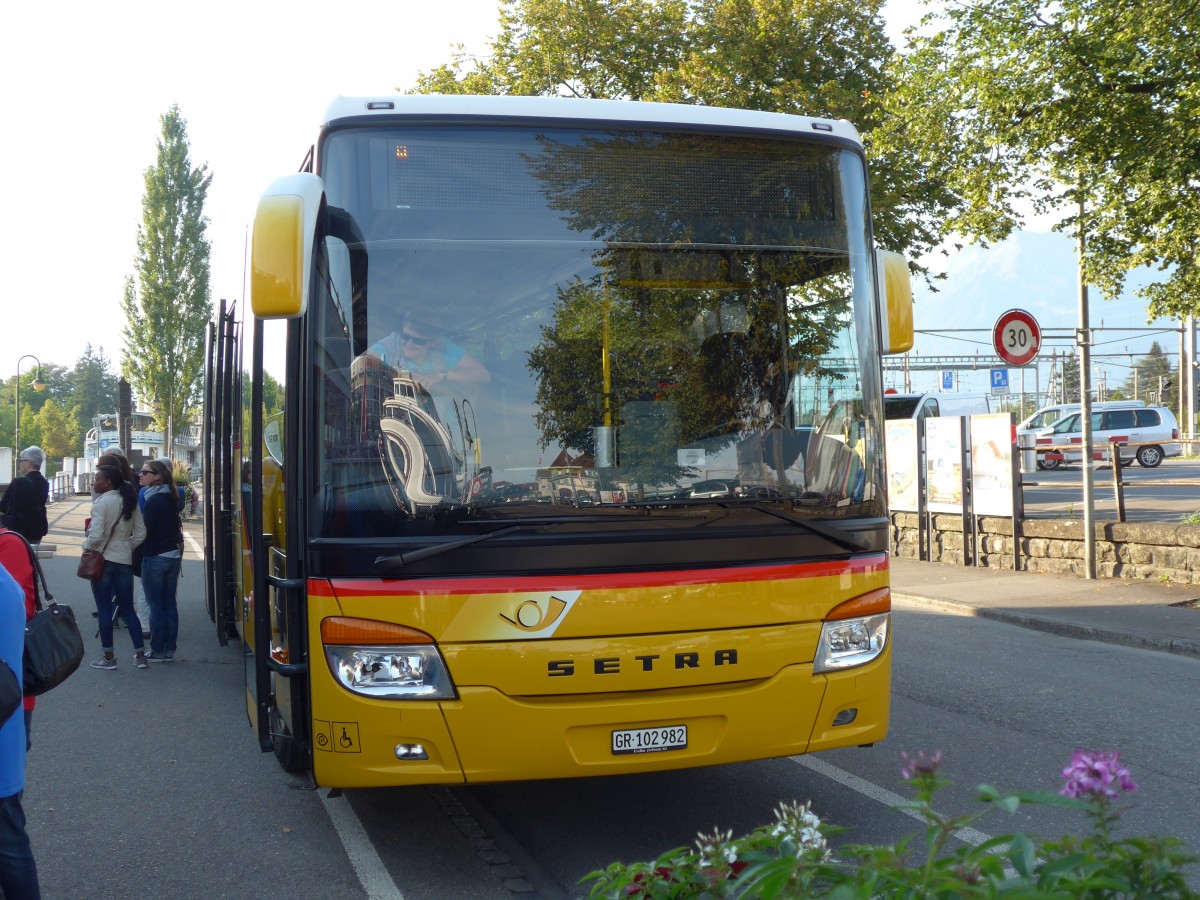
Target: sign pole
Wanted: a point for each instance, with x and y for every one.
(1084, 339)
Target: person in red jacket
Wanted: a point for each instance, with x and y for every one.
(14, 556)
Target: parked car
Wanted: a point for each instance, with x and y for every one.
(710, 489)
(1151, 432)
(1048, 415)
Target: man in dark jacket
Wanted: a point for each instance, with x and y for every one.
(23, 506)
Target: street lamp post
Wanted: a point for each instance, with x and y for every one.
(38, 385)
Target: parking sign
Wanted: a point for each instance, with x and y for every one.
(947, 380)
(999, 381)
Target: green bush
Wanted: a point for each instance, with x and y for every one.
(791, 858)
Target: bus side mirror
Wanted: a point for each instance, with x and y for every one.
(896, 290)
(281, 250)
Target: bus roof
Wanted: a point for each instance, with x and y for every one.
(622, 111)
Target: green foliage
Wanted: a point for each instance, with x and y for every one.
(56, 430)
(1087, 107)
(273, 395)
(94, 390)
(168, 306)
(791, 858)
(1148, 373)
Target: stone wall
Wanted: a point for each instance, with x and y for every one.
(1123, 550)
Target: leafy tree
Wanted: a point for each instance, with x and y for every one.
(57, 386)
(817, 57)
(1154, 370)
(575, 48)
(1085, 107)
(273, 395)
(58, 435)
(168, 306)
(94, 388)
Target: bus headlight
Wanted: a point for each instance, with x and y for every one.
(855, 632)
(380, 659)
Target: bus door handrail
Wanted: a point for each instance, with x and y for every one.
(287, 670)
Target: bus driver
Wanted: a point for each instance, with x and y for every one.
(431, 357)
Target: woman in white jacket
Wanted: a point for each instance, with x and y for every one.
(116, 528)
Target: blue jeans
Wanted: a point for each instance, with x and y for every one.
(18, 871)
(160, 581)
(117, 581)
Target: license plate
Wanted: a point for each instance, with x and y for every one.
(650, 740)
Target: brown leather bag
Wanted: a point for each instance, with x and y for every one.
(91, 565)
(91, 562)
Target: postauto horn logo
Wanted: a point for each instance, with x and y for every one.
(540, 617)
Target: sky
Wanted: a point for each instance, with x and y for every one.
(82, 90)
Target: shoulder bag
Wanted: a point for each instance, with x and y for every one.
(53, 644)
(91, 562)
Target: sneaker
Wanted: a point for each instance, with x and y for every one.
(105, 663)
(157, 657)
(140, 662)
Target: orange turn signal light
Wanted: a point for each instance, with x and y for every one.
(870, 604)
(369, 632)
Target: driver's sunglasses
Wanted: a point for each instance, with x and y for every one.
(414, 339)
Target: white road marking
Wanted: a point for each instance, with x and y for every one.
(371, 872)
(193, 545)
(968, 835)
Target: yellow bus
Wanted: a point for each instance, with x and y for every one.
(575, 465)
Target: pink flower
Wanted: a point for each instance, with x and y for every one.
(920, 765)
(1096, 775)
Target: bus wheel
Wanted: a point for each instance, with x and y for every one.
(284, 745)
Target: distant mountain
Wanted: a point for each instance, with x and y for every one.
(1037, 272)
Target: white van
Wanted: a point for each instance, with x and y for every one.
(1048, 415)
(927, 406)
(1151, 431)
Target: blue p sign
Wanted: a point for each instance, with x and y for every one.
(999, 378)
(947, 380)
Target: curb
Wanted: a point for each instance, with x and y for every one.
(1175, 646)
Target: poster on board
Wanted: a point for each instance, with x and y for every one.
(991, 465)
(944, 464)
(901, 437)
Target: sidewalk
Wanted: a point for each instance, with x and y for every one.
(1131, 613)
(66, 518)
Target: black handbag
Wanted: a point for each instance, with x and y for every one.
(53, 644)
(10, 693)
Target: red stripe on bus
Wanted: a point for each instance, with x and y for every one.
(360, 587)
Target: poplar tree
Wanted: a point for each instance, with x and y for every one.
(167, 303)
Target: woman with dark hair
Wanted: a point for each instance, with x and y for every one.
(162, 555)
(115, 529)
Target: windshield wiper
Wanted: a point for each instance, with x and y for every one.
(393, 565)
(839, 536)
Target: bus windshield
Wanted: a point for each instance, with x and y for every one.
(635, 328)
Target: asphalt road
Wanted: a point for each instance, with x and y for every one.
(150, 782)
(1165, 494)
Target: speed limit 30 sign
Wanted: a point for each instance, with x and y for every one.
(1017, 337)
